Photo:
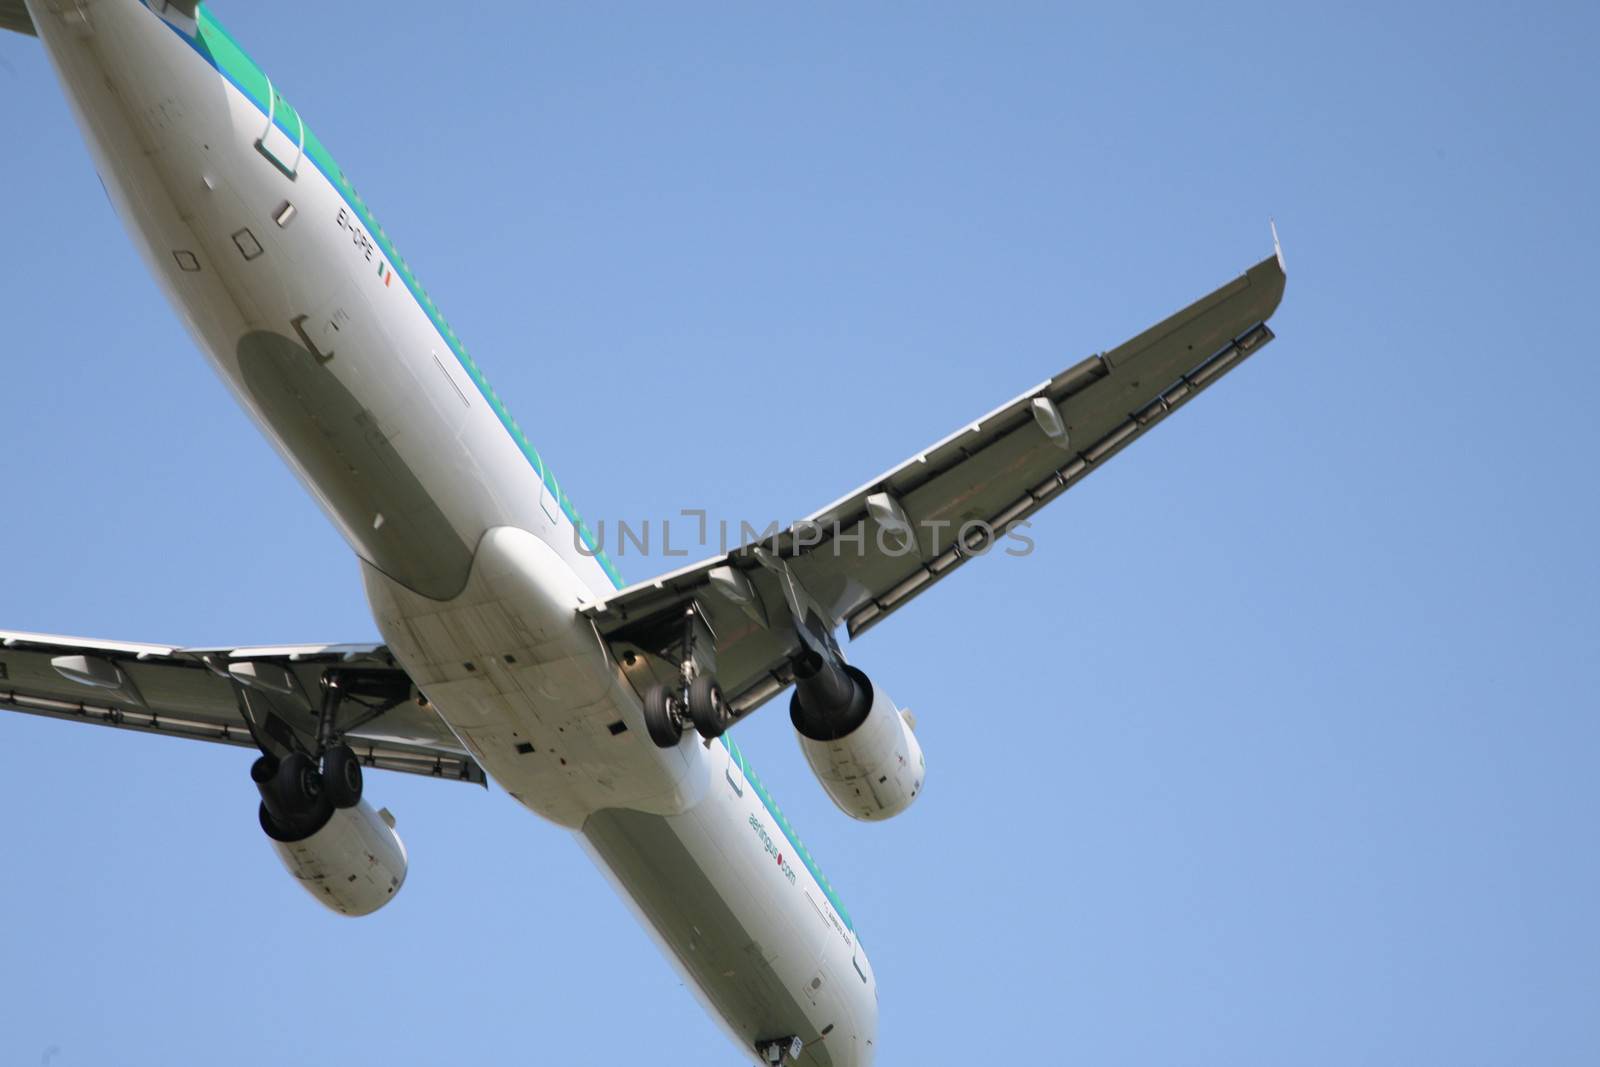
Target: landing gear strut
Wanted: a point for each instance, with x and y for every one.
(341, 770)
(696, 700)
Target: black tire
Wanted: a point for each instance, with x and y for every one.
(659, 722)
(293, 802)
(297, 786)
(706, 708)
(341, 776)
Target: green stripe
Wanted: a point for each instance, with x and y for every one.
(224, 53)
(787, 830)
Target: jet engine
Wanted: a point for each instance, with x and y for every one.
(342, 852)
(860, 746)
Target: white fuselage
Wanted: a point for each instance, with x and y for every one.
(470, 551)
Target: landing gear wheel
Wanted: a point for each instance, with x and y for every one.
(706, 708)
(297, 783)
(293, 802)
(341, 776)
(659, 721)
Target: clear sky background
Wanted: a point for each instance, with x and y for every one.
(1281, 747)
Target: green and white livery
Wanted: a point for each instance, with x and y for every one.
(510, 650)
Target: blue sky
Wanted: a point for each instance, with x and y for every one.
(1280, 747)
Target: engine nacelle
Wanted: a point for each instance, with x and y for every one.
(860, 746)
(354, 863)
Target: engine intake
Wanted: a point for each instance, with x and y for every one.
(859, 745)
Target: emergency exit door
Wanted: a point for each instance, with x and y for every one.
(283, 141)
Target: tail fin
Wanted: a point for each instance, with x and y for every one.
(14, 16)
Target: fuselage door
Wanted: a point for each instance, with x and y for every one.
(548, 498)
(735, 768)
(283, 140)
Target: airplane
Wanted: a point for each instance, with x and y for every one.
(512, 649)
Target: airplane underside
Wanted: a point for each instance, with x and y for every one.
(511, 648)
(477, 593)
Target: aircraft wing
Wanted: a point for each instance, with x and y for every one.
(863, 557)
(251, 697)
(14, 16)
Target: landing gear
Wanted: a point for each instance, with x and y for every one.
(776, 1052)
(293, 803)
(341, 770)
(297, 799)
(297, 783)
(695, 701)
(301, 790)
(661, 722)
(668, 713)
(341, 776)
(706, 708)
